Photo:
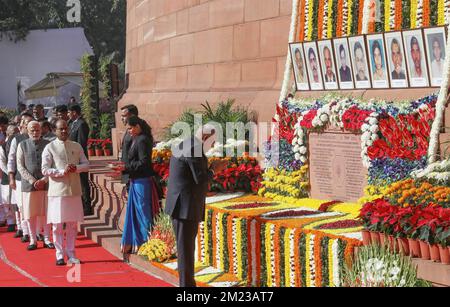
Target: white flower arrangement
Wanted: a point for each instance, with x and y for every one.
(392, 15)
(369, 136)
(298, 143)
(338, 109)
(168, 145)
(366, 17)
(325, 20)
(419, 19)
(438, 171)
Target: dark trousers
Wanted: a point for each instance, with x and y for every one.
(86, 193)
(185, 232)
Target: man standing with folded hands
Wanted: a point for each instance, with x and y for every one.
(62, 162)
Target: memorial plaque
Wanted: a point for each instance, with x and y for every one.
(336, 169)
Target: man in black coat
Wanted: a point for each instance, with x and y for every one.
(79, 132)
(185, 201)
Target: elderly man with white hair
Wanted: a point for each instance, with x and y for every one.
(186, 195)
(34, 183)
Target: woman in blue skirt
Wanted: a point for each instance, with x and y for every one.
(141, 195)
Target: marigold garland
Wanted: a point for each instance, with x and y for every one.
(360, 15)
(310, 20)
(287, 257)
(426, 13)
(214, 238)
(258, 253)
(441, 12)
(318, 259)
(231, 234)
(330, 262)
(320, 12)
(239, 247)
(398, 15)
(307, 258)
(301, 32)
(297, 254)
(350, 17)
(340, 4)
(276, 251)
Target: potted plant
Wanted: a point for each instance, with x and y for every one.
(443, 240)
(98, 148)
(91, 147)
(107, 147)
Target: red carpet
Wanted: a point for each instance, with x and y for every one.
(99, 268)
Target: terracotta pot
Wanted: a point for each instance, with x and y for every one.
(434, 253)
(403, 246)
(414, 248)
(107, 152)
(99, 152)
(366, 237)
(393, 245)
(444, 253)
(375, 237)
(425, 250)
(384, 239)
(91, 152)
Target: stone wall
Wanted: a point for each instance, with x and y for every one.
(180, 53)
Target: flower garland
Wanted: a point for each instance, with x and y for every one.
(426, 13)
(340, 5)
(310, 20)
(440, 108)
(325, 23)
(398, 15)
(344, 24)
(420, 13)
(330, 18)
(350, 17)
(318, 260)
(387, 15)
(366, 19)
(320, 18)
(413, 13)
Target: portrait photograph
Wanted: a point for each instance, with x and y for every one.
(396, 59)
(344, 67)
(328, 64)
(415, 56)
(435, 40)
(377, 60)
(313, 66)
(299, 66)
(359, 62)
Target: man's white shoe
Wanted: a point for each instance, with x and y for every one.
(73, 261)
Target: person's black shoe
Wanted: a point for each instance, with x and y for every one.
(25, 238)
(88, 212)
(60, 262)
(19, 234)
(49, 245)
(32, 247)
(40, 237)
(11, 228)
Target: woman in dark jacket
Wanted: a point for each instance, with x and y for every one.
(141, 196)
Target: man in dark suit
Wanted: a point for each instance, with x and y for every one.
(185, 202)
(79, 132)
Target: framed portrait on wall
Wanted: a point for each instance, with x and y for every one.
(396, 59)
(377, 60)
(435, 41)
(299, 66)
(416, 58)
(328, 64)
(344, 67)
(359, 62)
(313, 66)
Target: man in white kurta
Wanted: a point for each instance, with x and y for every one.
(7, 198)
(62, 162)
(34, 184)
(14, 177)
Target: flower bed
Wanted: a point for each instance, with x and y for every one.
(281, 252)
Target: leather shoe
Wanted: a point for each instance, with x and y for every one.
(11, 228)
(25, 238)
(49, 245)
(18, 234)
(32, 247)
(60, 262)
(40, 237)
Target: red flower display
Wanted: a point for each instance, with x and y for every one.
(307, 119)
(354, 118)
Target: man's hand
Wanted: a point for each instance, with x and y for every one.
(39, 185)
(12, 184)
(71, 168)
(219, 166)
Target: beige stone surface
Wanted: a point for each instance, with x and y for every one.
(246, 38)
(257, 9)
(199, 18)
(182, 50)
(226, 12)
(274, 36)
(213, 46)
